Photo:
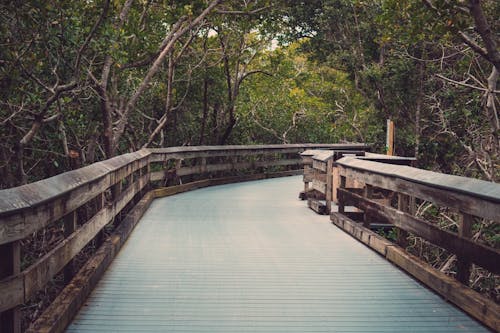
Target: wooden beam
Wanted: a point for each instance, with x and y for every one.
(452, 198)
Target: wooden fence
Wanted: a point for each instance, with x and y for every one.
(84, 203)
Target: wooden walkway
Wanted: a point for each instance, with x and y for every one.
(250, 257)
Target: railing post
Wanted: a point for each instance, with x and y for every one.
(329, 187)
(70, 224)
(464, 230)
(368, 194)
(10, 264)
(404, 206)
(100, 202)
(340, 199)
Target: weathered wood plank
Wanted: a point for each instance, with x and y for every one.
(319, 186)
(161, 154)
(317, 206)
(477, 253)
(472, 196)
(199, 169)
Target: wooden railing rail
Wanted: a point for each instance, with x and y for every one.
(469, 199)
(109, 189)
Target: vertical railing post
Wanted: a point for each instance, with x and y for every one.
(100, 202)
(329, 185)
(464, 230)
(404, 206)
(368, 194)
(340, 198)
(10, 264)
(70, 225)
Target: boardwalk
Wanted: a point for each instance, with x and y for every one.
(250, 257)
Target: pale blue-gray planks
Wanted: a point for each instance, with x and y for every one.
(250, 257)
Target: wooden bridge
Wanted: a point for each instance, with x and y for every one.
(245, 257)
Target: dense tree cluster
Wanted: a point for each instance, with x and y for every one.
(84, 81)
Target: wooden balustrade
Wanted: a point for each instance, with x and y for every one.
(109, 189)
(470, 199)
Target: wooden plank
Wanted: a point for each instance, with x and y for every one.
(60, 313)
(472, 196)
(319, 165)
(199, 169)
(473, 303)
(161, 154)
(479, 254)
(317, 206)
(319, 186)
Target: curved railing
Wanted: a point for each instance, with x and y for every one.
(84, 203)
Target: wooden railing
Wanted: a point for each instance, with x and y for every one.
(389, 194)
(112, 194)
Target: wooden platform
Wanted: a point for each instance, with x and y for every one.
(250, 257)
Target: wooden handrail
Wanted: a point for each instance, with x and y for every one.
(467, 197)
(27, 209)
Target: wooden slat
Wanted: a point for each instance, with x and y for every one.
(479, 254)
(199, 169)
(472, 196)
(161, 154)
(319, 186)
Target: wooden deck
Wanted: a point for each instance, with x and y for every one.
(250, 257)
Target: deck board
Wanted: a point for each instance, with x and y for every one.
(251, 257)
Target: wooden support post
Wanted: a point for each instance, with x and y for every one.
(341, 202)
(329, 185)
(178, 165)
(10, 264)
(100, 202)
(203, 165)
(404, 206)
(465, 224)
(367, 193)
(70, 225)
(390, 137)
